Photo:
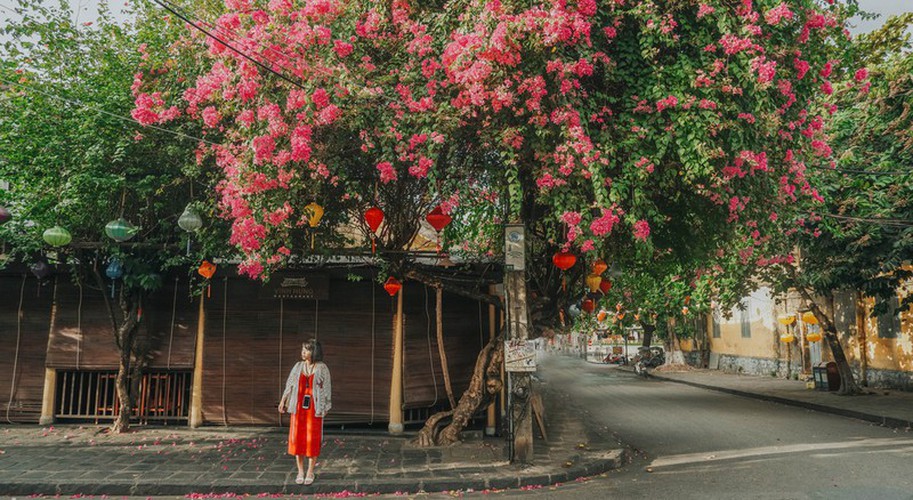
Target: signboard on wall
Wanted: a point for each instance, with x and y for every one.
(298, 286)
(519, 356)
(514, 247)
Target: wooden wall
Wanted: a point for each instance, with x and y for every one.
(251, 343)
(22, 396)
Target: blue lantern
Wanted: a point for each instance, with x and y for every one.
(114, 271)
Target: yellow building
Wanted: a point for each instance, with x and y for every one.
(747, 339)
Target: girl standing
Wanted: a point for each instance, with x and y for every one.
(307, 397)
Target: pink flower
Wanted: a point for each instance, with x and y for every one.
(588, 246)
(861, 74)
(342, 49)
(211, 116)
(704, 10)
(641, 230)
(420, 170)
(603, 225)
(571, 218)
(320, 98)
(387, 172)
(669, 102)
(777, 14)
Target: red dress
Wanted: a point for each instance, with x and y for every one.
(306, 428)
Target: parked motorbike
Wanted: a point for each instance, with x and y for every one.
(648, 357)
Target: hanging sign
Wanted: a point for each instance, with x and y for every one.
(288, 286)
(519, 356)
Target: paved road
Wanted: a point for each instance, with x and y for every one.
(705, 444)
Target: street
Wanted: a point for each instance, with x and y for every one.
(706, 444)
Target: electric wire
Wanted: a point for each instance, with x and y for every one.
(16, 357)
(865, 172)
(165, 5)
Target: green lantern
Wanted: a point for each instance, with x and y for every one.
(120, 230)
(57, 236)
(189, 220)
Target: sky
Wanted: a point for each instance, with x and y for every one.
(87, 10)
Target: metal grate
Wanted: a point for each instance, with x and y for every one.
(92, 395)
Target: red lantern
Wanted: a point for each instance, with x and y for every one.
(604, 286)
(599, 267)
(374, 216)
(392, 286)
(564, 260)
(438, 219)
(588, 305)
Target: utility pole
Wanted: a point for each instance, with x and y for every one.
(519, 358)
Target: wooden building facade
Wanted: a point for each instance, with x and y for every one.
(237, 343)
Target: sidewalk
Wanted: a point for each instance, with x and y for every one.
(151, 461)
(884, 407)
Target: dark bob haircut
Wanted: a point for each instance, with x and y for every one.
(315, 348)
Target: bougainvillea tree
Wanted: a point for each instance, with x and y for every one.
(656, 128)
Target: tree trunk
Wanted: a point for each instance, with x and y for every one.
(675, 355)
(439, 319)
(485, 384)
(648, 334)
(848, 385)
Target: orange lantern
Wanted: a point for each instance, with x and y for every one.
(392, 286)
(593, 281)
(599, 267)
(206, 270)
(374, 216)
(601, 316)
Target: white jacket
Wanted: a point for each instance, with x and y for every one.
(323, 391)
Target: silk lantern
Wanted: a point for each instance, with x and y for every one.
(314, 213)
(392, 286)
(599, 267)
(120, 230)
(190, 221)
(374, 216)
(5, 215)
(813, 336)
(438, 220)
(206, 270)
(564, 261)
(593, 281)
(604, 286)
(40, 269)
(114, 271)
(588, 305)
(57, 236)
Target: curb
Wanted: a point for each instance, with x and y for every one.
(594, 464)
(890, 422)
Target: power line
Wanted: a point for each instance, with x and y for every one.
(184, 18)
(74, 102)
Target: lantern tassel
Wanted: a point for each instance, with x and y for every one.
(563, 283)
(112, 289)
(312, 240)
(373, 246)
(208, 291)
(188, 246)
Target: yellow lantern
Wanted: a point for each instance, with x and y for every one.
(314, 213)
(809, 317)
(593, 281)
(813, 336)
(787, 337)
(786, 319)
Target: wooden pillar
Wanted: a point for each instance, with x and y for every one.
(47, 401)
(520, 413)
(491, 421)
(196, 396)
(396, 380)
(50, 375)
